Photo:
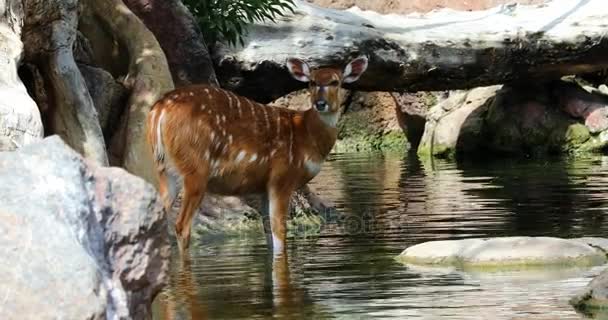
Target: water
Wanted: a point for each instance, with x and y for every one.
(385, 203)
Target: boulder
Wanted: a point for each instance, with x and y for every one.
(109, 97)
(20, 121)
(594, 297)
(77, 241)
(456, 124)
(504, 253)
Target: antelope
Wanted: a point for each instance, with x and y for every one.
(206, 139)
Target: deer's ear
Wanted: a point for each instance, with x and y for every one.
(298, 69)
(354, 70)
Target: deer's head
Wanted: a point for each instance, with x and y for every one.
(325, 83)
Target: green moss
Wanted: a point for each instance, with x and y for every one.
(429, 99)
(357, 133)
(596, 143)
(577, 134)
(438, 150)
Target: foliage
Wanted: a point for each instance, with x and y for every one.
(227, 19)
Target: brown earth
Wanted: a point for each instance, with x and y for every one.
(409, 6)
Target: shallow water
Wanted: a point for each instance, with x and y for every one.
(346, 270)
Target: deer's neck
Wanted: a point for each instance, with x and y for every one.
(322, 130)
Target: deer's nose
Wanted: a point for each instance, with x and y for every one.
(321, 105)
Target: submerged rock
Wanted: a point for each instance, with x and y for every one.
(504, 253)
(77, 241)
(594, 296)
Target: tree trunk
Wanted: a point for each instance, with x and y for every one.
(49, 35)
(441, 50)
(180, 38)
(20, 121)
(148, 78)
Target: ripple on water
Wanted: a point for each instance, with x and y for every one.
(386, 203)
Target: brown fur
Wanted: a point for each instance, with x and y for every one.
(222, 143)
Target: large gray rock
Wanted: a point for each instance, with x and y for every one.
(456, 124)
(504, 253)
(77, 241)
(594, 297)
(20, 121)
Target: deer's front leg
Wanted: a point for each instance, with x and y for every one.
(265, 212)
(278, 209)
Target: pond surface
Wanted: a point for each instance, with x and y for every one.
(385, 203)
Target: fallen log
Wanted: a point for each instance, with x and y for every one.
(441, 50)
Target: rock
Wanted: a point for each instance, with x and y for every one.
(504, 253)
(456, 124)
(526, 120)
(179, 34)
(369, 123)
(77, 241)
(109, 97)
(594, 296)
(411, 109)
(577, 102)
(404, 7)
(20, 121)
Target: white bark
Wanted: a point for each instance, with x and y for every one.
(444, 49)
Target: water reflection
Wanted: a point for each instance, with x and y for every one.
(385, 203)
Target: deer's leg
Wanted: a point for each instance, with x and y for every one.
(278, 209)
(167, 188)
(195, 185)
(266, 219)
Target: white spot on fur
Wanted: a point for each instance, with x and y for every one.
(253, 157)
(223, 118)
(273, 152)
(200, 123)
(202, 107)
(207, 155)
(191, 94)
(169, 101)
(240, 156)
(217, 119)
(238, 106)
(230, 139)
(212, 135)
(160, 149)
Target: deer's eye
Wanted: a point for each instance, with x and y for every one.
(334, 83)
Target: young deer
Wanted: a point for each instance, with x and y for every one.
(211, 140)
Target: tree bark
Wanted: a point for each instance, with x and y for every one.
(148, 78)
(49, 35)
(180, 38)
(20, 121)
(441, 50)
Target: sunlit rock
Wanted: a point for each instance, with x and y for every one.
(77, 241)
(504, 253)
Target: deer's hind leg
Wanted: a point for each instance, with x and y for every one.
(195, 186)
